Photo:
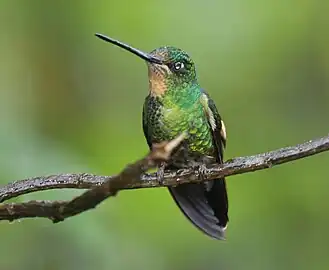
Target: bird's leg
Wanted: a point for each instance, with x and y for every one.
(202, 170)
(160, 173)
(200, 167)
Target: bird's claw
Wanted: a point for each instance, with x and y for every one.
(160, 174)
(202, 170)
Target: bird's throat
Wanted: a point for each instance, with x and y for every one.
(157, 84)
(164, 86)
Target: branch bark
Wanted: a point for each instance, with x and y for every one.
(134, 177)
(59, 210)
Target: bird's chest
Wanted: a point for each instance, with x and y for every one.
(171, 121)
(175, 120)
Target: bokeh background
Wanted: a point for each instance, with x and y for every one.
(72, 103)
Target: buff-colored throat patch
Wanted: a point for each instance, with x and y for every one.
(157, 79)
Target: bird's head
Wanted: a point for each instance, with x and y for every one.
(170, 69)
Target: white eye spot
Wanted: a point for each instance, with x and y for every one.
(179, 65)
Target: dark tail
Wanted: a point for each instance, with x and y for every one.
(205, 205)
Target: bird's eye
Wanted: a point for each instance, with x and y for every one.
(179, 65)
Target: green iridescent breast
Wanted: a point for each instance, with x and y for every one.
(165, 120)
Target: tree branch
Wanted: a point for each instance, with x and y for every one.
(134, 177)
(59, 210)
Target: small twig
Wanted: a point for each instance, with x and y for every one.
(101, 186)
(59, 210)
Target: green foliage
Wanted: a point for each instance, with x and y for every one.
(70, 103)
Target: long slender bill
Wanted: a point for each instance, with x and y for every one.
(137, 52)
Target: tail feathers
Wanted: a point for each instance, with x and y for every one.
(205, 206)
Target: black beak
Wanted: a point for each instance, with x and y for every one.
(143, 55)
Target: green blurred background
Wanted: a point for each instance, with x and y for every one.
(72, 103)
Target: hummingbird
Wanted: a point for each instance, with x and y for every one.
(177, 104)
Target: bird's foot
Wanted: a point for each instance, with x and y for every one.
(160, 173)
(202, 170)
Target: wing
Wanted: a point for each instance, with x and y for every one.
(145, 121)
(217, 194)
(216, 123)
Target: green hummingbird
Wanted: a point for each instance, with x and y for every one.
(176, 103)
